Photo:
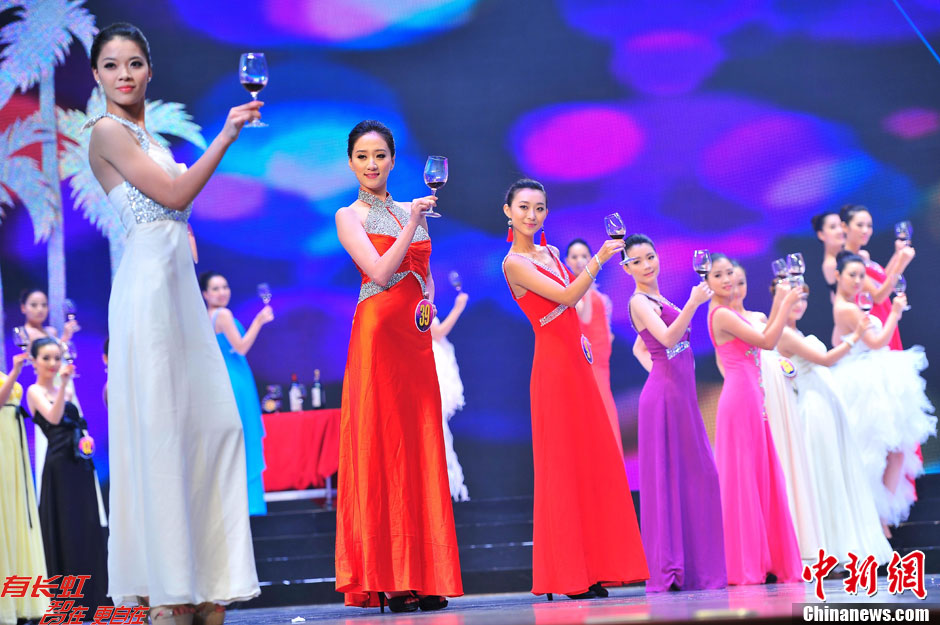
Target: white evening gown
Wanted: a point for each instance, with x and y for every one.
(448, 376)
(888, 411)
(847, 514)
(789, 441)
(179, 501)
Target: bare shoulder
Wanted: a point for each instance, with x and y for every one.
(107, 130)
(864, 254)
(354, 213)
(223, 313)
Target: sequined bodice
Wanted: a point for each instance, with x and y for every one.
(540, 310)
(657, 350)
(383, 224)
(133, 206)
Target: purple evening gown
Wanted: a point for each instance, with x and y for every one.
(680, 503)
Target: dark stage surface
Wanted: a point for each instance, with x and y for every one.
(744, 604)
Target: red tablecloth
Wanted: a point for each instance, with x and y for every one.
(301, 449)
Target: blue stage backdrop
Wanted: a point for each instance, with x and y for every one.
(724, 125)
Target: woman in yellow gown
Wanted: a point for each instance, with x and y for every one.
(21, 552)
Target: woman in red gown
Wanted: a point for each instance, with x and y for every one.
(395, 535)
(594, 312)
(585, 532)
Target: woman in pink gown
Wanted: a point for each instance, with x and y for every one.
(758, 530)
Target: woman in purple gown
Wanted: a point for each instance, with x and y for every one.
(680, 505)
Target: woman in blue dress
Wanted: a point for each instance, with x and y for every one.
(235, 342)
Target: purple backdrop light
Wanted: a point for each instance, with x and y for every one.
(912, 123)
(576, 142)
(666, 62)
(232, 197)
(340, 23)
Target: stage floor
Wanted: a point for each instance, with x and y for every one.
(625, 605)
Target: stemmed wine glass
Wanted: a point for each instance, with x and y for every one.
(435, 175)
(702, 262)
(903, 230)
(20, 338)
(779, 268)
(865, 301)
(253, 74)
(900, 287)
(455, 280)
(69, 354)
(795, 267)
(616, 230)
(264, 292)
(69, 309)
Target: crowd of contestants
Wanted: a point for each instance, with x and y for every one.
(823, 459)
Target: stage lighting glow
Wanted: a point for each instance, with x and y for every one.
(666, 62)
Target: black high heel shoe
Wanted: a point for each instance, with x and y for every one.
(401, 603)
(599, 590)
(432, 602)
(584, 595)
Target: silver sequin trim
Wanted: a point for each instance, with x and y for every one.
(144, 208)
(370, 288)
(380, 221)
(552, 315)
(679, 347)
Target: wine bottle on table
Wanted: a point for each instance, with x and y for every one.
(316, 391)
(296, 394)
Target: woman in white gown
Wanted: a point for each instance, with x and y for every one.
(448, 375)
(888, 411)
(180, 536)
(848, 520)
(787, 431)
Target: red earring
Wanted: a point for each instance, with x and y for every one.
(542, 240)
(509, 236)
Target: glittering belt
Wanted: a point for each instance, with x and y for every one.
(677, 349)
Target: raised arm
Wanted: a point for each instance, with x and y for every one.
(443, 328)
(643, 354)
(848, 315)
(724, 320)
(646, 315)
(225, 323)
(353, 238)
(115, 145)
(6, 389)
(523, 274)
(792, 343)
(53, 410)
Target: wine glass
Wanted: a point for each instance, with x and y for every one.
(903, 230)
(69, 354)
(616, 230)
(702, 262)
(435, 175)
(253, 74)
(264, 292)
(865, 301)
(20, 338)
(900, 287)
(779, 268)
(795, 267)
(455, 280)
(69, 309)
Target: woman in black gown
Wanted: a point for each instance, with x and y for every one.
(75, 543)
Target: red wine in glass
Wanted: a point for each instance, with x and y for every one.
(613, 224)
(253, 75)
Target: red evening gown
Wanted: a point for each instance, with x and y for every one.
(882, 310)
(597, 331)
(394, 519)
(584, 524)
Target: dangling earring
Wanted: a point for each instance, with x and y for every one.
(542, 240)
(509, 236)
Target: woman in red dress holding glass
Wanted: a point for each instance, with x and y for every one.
(585, 533)
(395, 538)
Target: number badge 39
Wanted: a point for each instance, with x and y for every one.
(424, 314)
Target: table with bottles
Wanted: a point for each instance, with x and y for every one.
(301, 449)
